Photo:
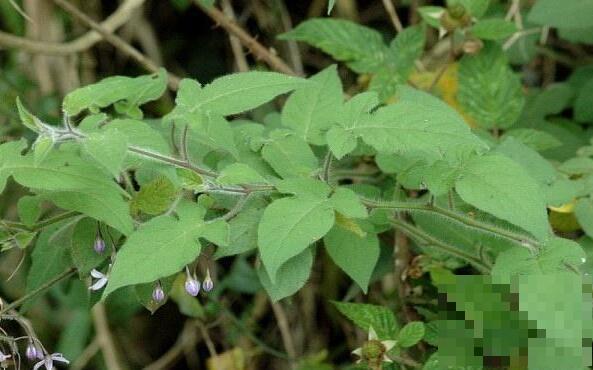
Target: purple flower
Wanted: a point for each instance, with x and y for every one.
(192, 285)
(33, 352)
(101, 280)
(48, 361)
(99, 245)
(208, 284)
(158, 294)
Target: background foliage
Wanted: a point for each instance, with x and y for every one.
(371, 184)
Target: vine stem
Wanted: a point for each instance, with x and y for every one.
(415, 232)
(521, 239)
(40, 289)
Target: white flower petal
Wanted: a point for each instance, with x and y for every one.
(357, 352)
(389, 344)
(60, 358)
(98, 284)
(387, 359)
(372, 334)
(97, 274)
(39, 364)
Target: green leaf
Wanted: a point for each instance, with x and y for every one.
(493, 29)
(583, 105)
(419, 124)
(106, 207)
(49, 258)
(477, 8)
(41, 148)
(159, 248)
(290, 156)
(81, 248)
(243, 233)
(232, 94)
(311, 110)
(348, 203)
(155, 197)
(563, 14)
(362, 48)
(108, 149)
(558, 255)
(239, 173)
(489, 91)
(432, 15)
(531, 161)
(410, 334)
(289, 226)
(291, 276)
(304, 187)
(131, 91)
(340, 141)
(366, 316)
(356, 255)
(29, 209)
(68, 182)
(584, 214)
(499, 186)
(535, 139)
(214, 131)
(403, 51)
(28, 119)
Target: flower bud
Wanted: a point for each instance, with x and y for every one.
(208, 284)
(192, 286)
(99, 245)
(158, 294)
(33, 352)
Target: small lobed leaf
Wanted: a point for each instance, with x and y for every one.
(159, 248)
(288, 226)
(489, 91)
(493, 29)
(498, 185)
(362, 48)
(311, 109)
(291, 276)
(365, 316)
(132, 91)
(356, 255)
(410, 334)
(239, 173)
(154, 197)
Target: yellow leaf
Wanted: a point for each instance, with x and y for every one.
(229, 360)
(349, 224)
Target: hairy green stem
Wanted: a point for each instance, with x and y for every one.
(414, 232)
(40, 225)
(521, 239)
(48, 284)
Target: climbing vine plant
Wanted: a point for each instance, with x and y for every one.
(142, 199)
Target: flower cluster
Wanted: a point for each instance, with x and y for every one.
(34, 352)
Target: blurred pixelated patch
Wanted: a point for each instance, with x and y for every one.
(537, 322)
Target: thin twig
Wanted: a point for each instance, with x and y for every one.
(207, 339)
(236, 47)
(116, 41)
(247, 40)
(282, 321)
(104, 337)
(187, 338)
(82, 43)
(393, 15)
(86, 356)
(48, 284)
